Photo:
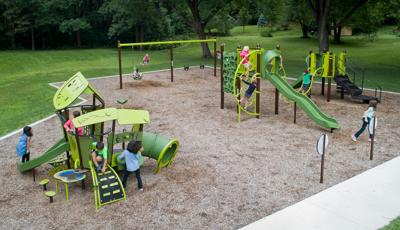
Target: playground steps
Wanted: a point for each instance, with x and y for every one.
(343, 82)
(107, 187)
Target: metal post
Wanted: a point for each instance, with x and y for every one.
(321, 179)
(294, 109)
(215, 59)
(120, 64)
(171, 58)
(276, 101)
(322, 86)
(222, 76)
(328, 96)
(112, 141)
(258, 82)
(342, 93)
(371, 153)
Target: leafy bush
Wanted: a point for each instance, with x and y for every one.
(266, 33)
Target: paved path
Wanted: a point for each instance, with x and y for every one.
(367, 201)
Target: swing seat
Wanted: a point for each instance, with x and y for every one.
(137, 76)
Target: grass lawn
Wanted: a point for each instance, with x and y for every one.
(26, 97)
(394, 225)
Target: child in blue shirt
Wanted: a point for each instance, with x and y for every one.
(369, 114)
(132, 156)
(250, 90)
(23, 146)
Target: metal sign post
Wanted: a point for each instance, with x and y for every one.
(371, 129)
(322, 144)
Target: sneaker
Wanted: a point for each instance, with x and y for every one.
(140, 189)
(353, 137)
(369, 139)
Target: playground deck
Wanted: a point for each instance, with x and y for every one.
(216, 181)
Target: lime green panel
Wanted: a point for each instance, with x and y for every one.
(85, 144)
(70, 91)
(94, 117)
(127, 136)
(129, 116)
(73, 147)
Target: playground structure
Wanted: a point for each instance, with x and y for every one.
(338, 69)
(267, 65)
(78, 148)
(171, 56)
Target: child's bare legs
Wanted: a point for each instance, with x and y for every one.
(245, 102)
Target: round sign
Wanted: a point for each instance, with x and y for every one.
(372, 123)
(320, 143)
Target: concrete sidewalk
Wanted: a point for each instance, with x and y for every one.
(367, 201)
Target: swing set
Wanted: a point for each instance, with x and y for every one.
(137, 75)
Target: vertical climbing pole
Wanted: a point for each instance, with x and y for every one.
(258, 81)
(119, 64)
(222, 76)
(171, 58)
(215, 58)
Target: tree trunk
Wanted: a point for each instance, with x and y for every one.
(199, 26)
(321, 10)
(12, 37)
(337, 33)
(43, 42)
(33, 38)
(304, 30)
(78, 38)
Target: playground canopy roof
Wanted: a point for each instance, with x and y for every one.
(71, 90)
(123, 116)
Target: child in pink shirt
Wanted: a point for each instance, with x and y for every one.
(244, 55)
(146, 59)
(69, 126)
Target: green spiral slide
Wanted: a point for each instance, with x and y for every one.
(309, 107)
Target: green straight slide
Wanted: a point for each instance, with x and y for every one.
(304, 102)
(59, 148)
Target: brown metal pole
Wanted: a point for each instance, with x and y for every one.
(215, 59)
(342, 93)
(371, 153)
(295, 108)
(112, 141)
(120, 64)
(328, 96)
(222, 76)
(276, 101)
(323, 86)
(321, 179)
(258, 82)
(171, 58)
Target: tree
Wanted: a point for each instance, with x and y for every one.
(320, 10)
(15, 19)
(273, 11)
(261, 21)
(300, 12)
(75, 25)
(342, 11)
(244, 17)
(202, 13)
(223, 22)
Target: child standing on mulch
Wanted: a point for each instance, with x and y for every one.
(132, 156)
(369, 114)
(24, 143)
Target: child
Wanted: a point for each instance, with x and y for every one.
(369, 114)
(250, 90)
(306, 82)
(24, 143)
(99, 157)
(136, 74)
(132, 156)
(69, 126)
(146, 59)
(244, 55)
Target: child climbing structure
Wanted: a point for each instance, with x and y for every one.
(78, 147)
(266, 64)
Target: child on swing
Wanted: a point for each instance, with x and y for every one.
(146, 59)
